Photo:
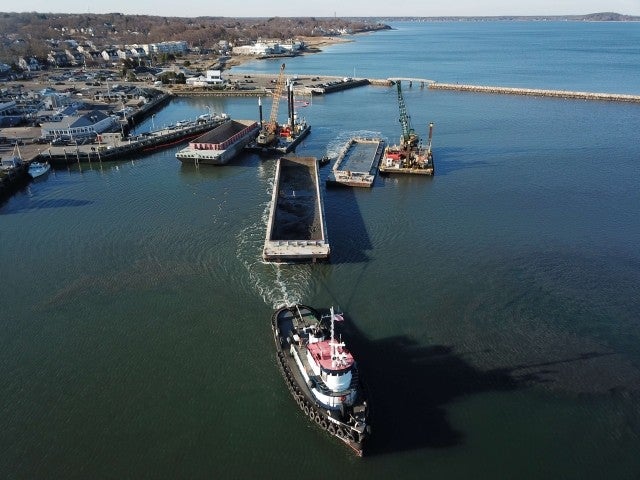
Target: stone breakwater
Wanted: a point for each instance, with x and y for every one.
(535, 92)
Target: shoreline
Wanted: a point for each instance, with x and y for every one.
(314, 45)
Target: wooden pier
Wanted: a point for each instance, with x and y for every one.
(536, 92)
(121, 148)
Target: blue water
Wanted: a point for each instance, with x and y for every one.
(495, 305)
(596, 57)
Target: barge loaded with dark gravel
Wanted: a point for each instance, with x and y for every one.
(296, 229)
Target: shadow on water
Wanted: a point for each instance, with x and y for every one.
(410, 385)
(346, 230)
(448, 160)
(25, 206)
(191, 171)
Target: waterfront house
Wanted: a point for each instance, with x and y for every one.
(30, 64)
(75, 58)
(58, 59)
(213, 77)
(110, 55)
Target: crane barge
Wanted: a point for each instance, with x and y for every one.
(275, 138)
(410, 156)
(268, 132)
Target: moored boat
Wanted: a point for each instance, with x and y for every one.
(37, 169)
(321, 373)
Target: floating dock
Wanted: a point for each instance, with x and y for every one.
(357, 164)
(296, 229)
(536, 92)
(221, 144)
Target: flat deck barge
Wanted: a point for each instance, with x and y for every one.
(357, 164)
(296, 228)
(221, 144)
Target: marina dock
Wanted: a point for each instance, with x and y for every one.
(357, 164)
(114, 147)
(296, 228)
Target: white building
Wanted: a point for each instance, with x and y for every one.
(177, 47)
(258, 48)
(213, 77)
(292, 46)
(80, 126)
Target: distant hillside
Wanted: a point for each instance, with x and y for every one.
(36, 33)
(591, 17)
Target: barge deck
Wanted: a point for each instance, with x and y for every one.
(296, 228)
(218, 146)
(357, 163)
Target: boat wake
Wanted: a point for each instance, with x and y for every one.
(278, 284)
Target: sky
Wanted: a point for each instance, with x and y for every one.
(329, 8)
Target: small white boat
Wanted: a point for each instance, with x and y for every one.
(37, 169)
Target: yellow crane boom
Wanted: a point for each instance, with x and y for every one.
(277, 93)
(268, 133)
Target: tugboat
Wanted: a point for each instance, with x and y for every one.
(321, 373)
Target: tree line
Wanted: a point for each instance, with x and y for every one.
(35, 33)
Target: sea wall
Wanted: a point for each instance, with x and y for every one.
(535, 92)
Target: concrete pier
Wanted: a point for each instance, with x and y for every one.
(536, 92)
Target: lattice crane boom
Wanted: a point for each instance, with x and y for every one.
(409, 137)
(277, 93)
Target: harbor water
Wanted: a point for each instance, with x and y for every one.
(495, 306)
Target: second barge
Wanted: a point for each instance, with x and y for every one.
(221, 144)
(296, 229)
(357, 163)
